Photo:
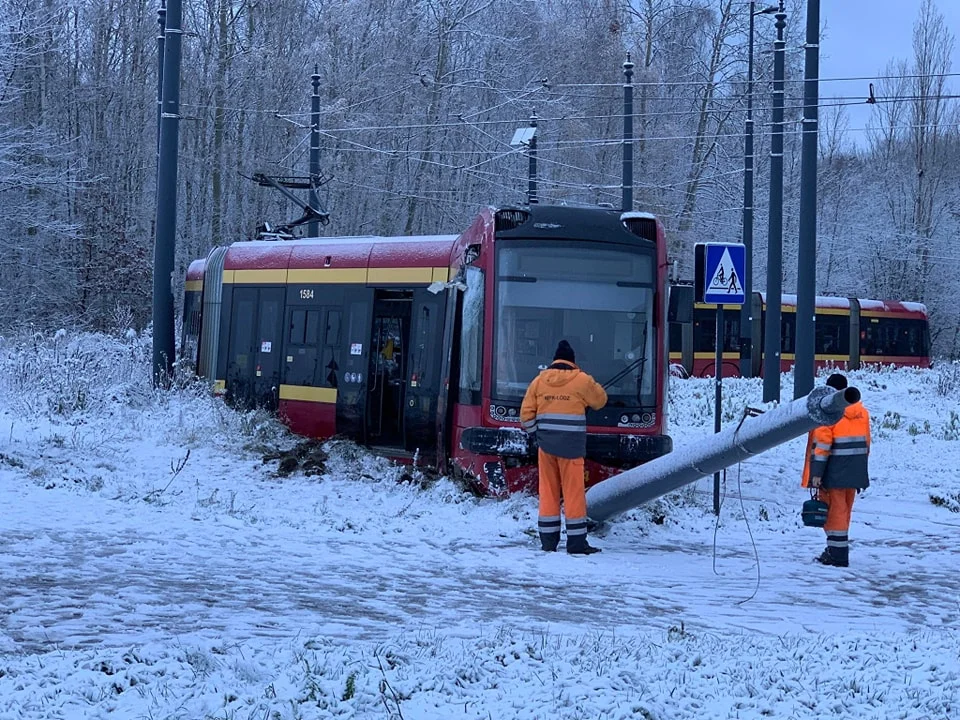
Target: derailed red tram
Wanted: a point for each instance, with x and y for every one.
(422, 347)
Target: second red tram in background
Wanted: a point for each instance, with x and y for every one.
(423, 347)
(849, 333)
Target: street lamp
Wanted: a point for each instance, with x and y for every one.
(746, 317)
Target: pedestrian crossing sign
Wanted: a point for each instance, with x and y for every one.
(724, 273)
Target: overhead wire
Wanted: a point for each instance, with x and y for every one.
(786, 80)
(791, 128)
(546, 147)
(548, 89)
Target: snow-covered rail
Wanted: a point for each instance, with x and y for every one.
(631, 488)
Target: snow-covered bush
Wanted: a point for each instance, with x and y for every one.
(66, 374)
(948, 379)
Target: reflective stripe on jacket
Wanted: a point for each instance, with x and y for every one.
(555, 407)
(839, 452)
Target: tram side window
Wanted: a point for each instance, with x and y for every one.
(705, 331)
(471, 338)
(332, 334)
(676, 337)
(312, 326)
(241, 343)
(914, 337)
(298, 319)
(423, 348)
(832, 335)
(331, 346)
(788, 329)
(911, 338)
(303, 327)
(870, 338)
(894, 336)
(731, 331)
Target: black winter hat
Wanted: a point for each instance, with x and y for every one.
(564, 352)
(837, 382)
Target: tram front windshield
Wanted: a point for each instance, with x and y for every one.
(598, 297)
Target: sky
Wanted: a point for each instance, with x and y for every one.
(862, 37)
(154, 565)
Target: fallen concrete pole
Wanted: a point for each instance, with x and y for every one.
(632, 488)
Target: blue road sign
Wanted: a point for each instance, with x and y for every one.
(724, 273)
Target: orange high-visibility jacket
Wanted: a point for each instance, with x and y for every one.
(838, 453)
(555, 407)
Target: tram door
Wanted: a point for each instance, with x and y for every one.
(386, 386)
(253, 364)
(423, 376)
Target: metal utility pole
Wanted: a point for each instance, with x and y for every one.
(654, 479)
(162, 22)
(718, 395)
(166, 221)
(746, 315)
(532, 169)
(807, 249)
(627, 202)
(771, 343)
(313, 227)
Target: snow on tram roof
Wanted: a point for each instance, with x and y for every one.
(893, 305)
(823, 301)
(349, 240)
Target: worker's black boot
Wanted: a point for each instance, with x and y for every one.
(578, 545)
(835, 557)
(549, 541)
(549, 526)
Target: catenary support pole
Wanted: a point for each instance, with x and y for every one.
(746, 316)
(632, 488)
(532, 169)
(807, 249)
(313, 227)
(627, 202)
(771, 342)
(162, 22)
(166, 221)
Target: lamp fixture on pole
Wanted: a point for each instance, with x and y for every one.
(527, 137)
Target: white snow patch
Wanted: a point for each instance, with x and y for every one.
(153, 565)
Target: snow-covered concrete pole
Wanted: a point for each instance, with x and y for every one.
(632, 488)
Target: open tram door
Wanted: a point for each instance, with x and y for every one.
(404, 372)
(387, 384)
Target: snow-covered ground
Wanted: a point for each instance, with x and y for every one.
(153, 565)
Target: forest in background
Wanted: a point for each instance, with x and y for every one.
(419, 101)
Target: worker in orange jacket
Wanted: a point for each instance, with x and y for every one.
(554, 408)
(836, 464)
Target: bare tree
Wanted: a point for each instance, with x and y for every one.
(911, 141)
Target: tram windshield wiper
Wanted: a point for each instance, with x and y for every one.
(640, 362)
(643, 366)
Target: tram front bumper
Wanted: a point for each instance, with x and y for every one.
(616, 450)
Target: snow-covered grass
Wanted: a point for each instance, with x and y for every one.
(154, 565)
